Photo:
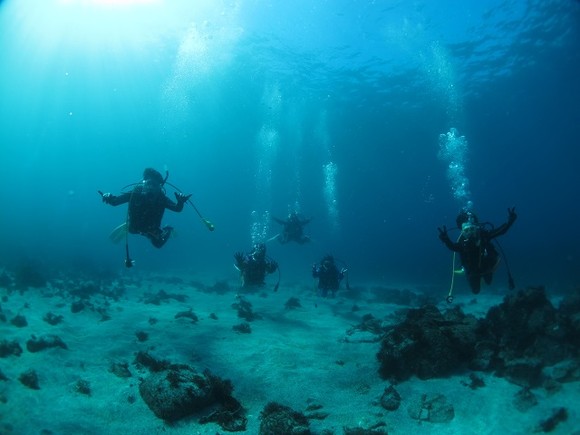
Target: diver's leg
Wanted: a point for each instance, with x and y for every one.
(474, 282)
(159, 237)
(491, 265)
(488, 277)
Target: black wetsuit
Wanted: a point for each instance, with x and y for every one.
(479, 257)
(146, 209)
(253, 269)
(329, 277)
(293, 230)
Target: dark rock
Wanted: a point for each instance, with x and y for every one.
(30, 379)
(176, 393)
(154, 364)
(526, 372)
(292, 304)
(318, 415)
(474, 383)
(19, 321)
(3, 376)
(83, 387)
(77, 307)
(314, 406)
(376, 429)
(279, 419)
(485, 357)
(52, 319)
(120, 369)
(565, 371)
(525, 325)
(230, 416)
(162, 296)
(524, 400)
(45, 342)
(244, 308)
(559, 415)
(142, 336)
(391, 399)
(85, 290)
(368, 323)
(8, 348)
(243, 328)
(189, 314)
(428, 344)
(434, 409)
(220, 287)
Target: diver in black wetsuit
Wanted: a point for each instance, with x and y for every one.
(147, 204)
(328, 275)
(293, 229)
(253, 267)
(478, 255)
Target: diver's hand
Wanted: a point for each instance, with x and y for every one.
(108, 197)
(443, 233)
(181, 197)
(512, 216)
(239, 257)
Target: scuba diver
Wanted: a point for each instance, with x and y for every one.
(147, 204)
(329, 277)
(253, 267)
(293, 229)
(478, 255)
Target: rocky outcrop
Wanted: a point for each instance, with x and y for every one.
(517, 339)
(178, 391)
(428, 344)
(279, 419)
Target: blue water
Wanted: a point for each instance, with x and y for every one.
(261, 107)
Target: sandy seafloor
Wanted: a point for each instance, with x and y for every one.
(295, 357)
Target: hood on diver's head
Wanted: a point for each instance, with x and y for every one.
(466, 216)
(150, 174)
(259, 250)
(327, 261)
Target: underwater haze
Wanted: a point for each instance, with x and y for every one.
(381, 120)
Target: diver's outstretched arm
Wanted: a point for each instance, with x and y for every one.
(113, 200)
(503, 228)
(444, 237)
(280, 221)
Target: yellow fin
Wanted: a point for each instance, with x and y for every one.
(119, 233)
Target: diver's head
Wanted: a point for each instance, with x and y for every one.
(470, 232)
(327, 261)
(152, 180)
(259, 251)
(152, 175)
(466, 216)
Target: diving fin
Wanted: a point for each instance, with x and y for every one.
(273, 238)
(119, 233)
